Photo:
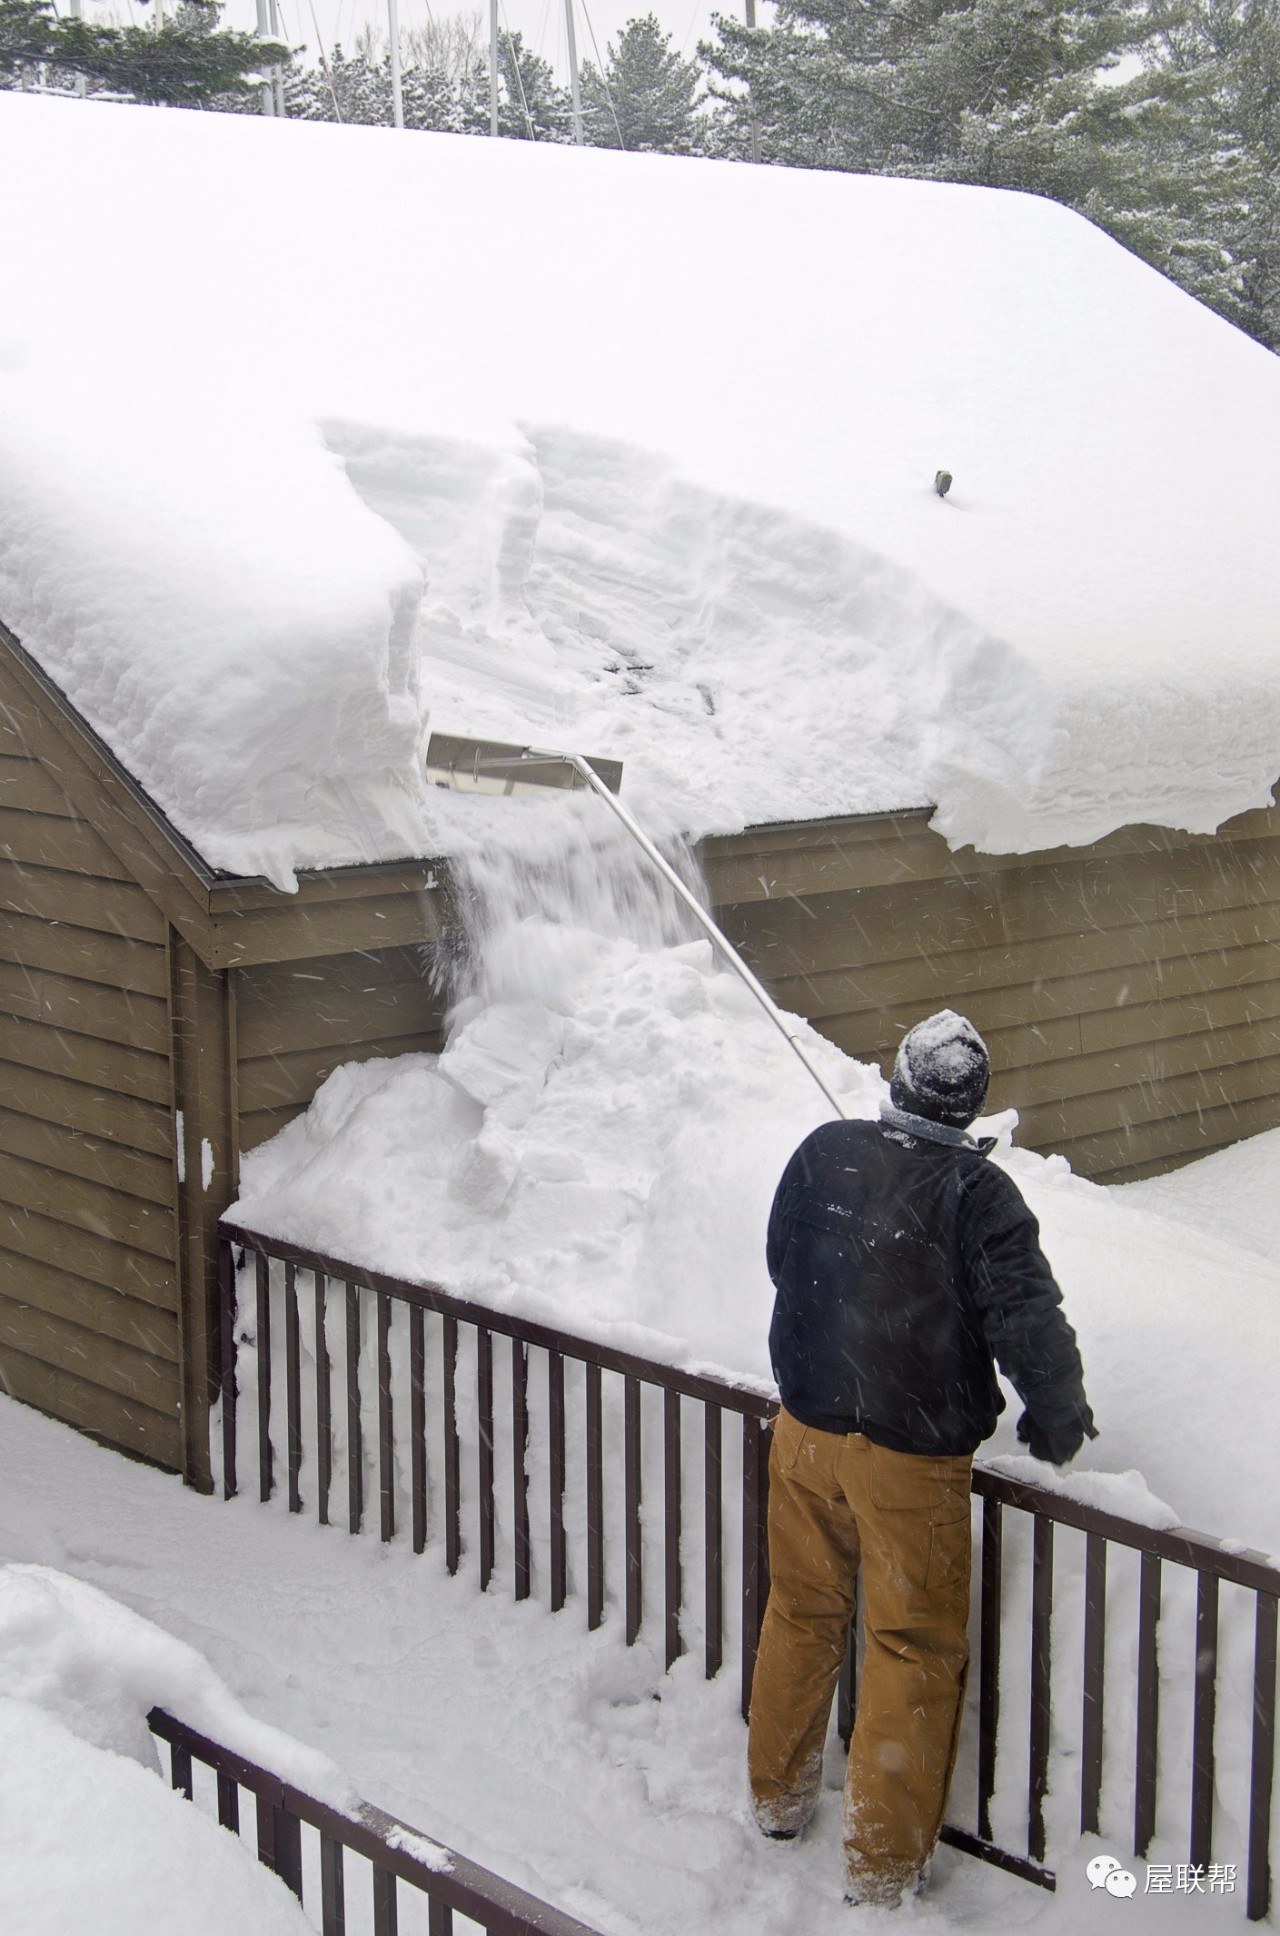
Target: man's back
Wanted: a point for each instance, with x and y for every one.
(903, 1265)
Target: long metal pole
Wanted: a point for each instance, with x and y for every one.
(264, 33)
(493, 67)
(575, 91)
(750, 10)
(278, 72)
(77, 13)
(397, 90)
(718, 940)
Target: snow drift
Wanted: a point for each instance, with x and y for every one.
(91, 1839)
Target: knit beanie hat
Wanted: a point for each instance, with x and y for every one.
(942, 1070)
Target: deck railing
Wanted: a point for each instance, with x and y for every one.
(394, 1852)
(586, 1439)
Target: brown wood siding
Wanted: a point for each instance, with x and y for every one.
(88, 1283)
(298, 1021)
(82, 811)
(1129, 991)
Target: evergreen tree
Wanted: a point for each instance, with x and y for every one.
(356, 88)
(352, 88)
(1009, 93)
(188, 61)
(1210, 216)
(531, 107)
(646, 98)
(444, 79)
(27, 32)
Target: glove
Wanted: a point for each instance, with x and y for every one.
(1056, 1441)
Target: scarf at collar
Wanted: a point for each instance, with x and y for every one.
(931, 1132)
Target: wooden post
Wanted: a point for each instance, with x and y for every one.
(202, 1012)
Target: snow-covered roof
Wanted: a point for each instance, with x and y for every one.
(309, 434)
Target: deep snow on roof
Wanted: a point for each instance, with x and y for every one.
(310, 435)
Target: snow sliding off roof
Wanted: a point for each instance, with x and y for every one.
(309, 435)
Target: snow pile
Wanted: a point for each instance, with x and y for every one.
(596, 1145)
(1229, 1194)
(99, 1668)
(88, 1838)
(661, 448)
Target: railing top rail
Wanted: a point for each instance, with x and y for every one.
(744, 1398)
(467, 1887)
(1181, 1544)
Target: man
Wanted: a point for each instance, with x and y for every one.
(904, 1264)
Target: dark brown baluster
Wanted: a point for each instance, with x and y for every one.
(324, 1403)
(755, 1564)
(1144, 1807)
(180, 1775)
(266, 1461)
(555, 1425)
(595, 1499)
(293, 1386)
(439, 1918)
(228, 1803)
(1206, 1696)
(520, 1466)
(355, 1428)
(1262, 1758)
(713, 1535)
(386, 1914)
(633, 1551)
(989, 1658)
(484, 1406)
(452, 1462)
(671, 1521)
(386, 1423)
(1095, 1657)
(333, 1906)
(418, 1423)
(227, 1315)
(1041, 1664)
(280, 1844)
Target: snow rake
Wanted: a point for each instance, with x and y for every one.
(490, 766)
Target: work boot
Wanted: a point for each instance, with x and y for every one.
(872, 1890)
(783, 1821)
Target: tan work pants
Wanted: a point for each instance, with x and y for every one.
(837, 1500)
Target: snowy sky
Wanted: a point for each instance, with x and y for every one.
(540, 21)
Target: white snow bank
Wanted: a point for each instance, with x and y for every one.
(90, 1840)
(100, 1668)
(1230, 1194)
(598, 1147)
(663, 447)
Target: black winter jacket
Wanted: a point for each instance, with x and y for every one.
(903, 1267)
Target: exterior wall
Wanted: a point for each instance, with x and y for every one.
(89, 1327)
(297, 1020)
(125, 968)
(1129, 991)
